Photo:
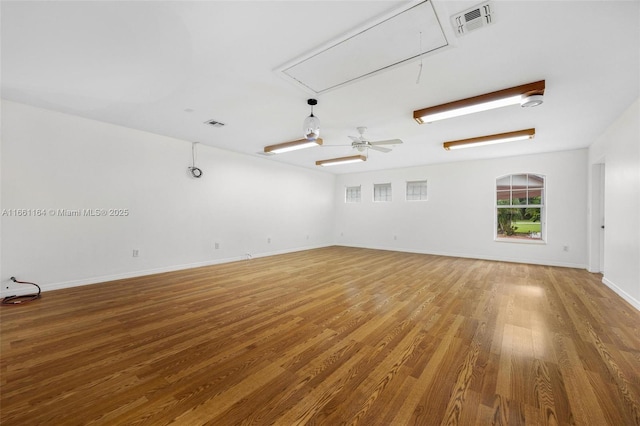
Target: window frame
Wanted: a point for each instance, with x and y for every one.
(426, 193)
(348, 199)
(519, 189)
(388, 197)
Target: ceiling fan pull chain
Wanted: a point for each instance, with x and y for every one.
(420, 71)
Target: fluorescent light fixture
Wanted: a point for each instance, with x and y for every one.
(292, 146)
(341, 160)
(526, 95)
(490, 139)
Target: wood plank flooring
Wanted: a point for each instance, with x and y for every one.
(327, 337)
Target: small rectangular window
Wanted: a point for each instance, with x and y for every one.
(352, 194)
(382, 192)
(417, 190)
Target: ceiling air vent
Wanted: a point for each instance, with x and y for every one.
(471, 19)
(214, 123)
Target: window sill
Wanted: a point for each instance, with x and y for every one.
(519, 241)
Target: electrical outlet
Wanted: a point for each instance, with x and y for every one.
(216, 246)
(268, 240)
(136, 252)
(565, 248)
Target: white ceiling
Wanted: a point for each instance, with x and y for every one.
(167, 67)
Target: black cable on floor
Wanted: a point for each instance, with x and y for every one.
(18, 300)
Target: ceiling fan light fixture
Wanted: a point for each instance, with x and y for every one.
(341, 160)
(526, 95)
(529, 101)
(292, 146)
(311, 125)
(490, 139)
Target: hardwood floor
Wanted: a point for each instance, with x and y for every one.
(330, 336)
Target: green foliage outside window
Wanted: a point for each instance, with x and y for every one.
(519, 203)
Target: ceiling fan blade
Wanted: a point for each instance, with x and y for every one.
(387, 142)
(355, 138)
(380, 148)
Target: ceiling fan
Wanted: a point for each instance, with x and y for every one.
(362, 144)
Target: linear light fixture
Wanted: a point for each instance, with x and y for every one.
(292, 146)
(527, 95)
(341, 160)
(490, 139)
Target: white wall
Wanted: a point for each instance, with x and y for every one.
(56, 161)
(458, 218)
(619, 150)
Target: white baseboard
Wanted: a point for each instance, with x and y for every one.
(626, 296)
(632, 301)
(19, 289)
(476, 256)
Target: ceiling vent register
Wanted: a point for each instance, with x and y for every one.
(214, 123)
(473, 19)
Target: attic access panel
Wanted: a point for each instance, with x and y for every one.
(388, 42)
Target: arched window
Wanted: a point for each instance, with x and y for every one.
(520, 207)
